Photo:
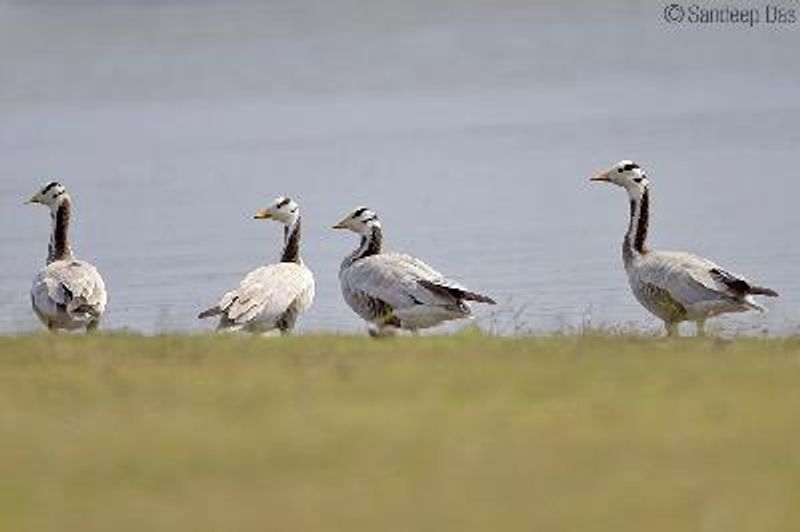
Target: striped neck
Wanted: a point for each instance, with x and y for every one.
(371, 244)
(635, 243)
(291, 242)
(59, 248)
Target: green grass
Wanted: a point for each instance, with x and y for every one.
(464, 433)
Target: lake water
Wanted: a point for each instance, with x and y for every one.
(470, 127)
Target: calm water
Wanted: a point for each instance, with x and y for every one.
(471, 130)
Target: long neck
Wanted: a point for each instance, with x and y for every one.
(59, 248)
(371, 244)
(635, 242)
(291, 242)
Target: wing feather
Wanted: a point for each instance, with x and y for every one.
(396, 279)
(689, 279)
(74, 286)
(266, 294)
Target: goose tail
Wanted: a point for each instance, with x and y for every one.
(213, 311)
(456, 292)
(763, 291)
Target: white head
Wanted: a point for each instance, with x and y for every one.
(361, 221)
(281, 210)
(628, 175)
(52, 195)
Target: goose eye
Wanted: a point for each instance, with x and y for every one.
(638, 179)
(619, 170)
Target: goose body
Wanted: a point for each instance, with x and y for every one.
(392, 290)
(269, 298)
(67, 294)
(697, 288)
(675, 286)
(272, 297)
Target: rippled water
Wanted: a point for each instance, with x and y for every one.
(472, 130)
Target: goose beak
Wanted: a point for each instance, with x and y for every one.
(340, 225)
(602, 177)
(31, 201)
(262, 215)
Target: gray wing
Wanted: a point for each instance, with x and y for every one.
(266, 294)
(436, 282)
(689, 279)
(400, 281)
(74, 285)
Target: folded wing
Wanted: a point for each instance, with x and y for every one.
(402, 281)
(74, 287)
(691, 279)
(264, 295)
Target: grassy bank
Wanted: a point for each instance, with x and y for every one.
(348, 434)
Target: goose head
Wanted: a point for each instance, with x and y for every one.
(625, 174)
(361, 221)
(50, 195)
(282, 210)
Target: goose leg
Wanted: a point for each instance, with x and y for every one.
(384, 326)
(701, 328)
(285, 329)
(382, 331)
(672, 328)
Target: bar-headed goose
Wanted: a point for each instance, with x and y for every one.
(271, 297)
(67, 294)
(673, 285)
(391, 290)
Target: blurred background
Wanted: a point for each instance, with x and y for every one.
(470, 127)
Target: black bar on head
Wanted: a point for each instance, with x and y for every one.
(49, 186)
